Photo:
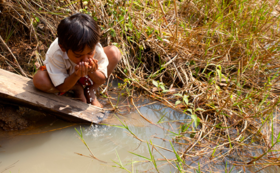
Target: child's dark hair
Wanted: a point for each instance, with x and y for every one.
(77, 31)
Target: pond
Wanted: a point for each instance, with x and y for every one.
(53, 145)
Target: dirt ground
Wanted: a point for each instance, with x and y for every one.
(14, 118)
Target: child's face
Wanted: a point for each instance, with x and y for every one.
(82, 56)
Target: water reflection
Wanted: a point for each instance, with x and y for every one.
(44, 149)
(52, 144)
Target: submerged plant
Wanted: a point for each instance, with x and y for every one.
(80, 133)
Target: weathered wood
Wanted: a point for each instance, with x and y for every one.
(20, 90)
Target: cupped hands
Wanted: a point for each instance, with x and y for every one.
(83, 68)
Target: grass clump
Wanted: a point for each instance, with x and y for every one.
(219, 58)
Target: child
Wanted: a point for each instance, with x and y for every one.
(76, 60)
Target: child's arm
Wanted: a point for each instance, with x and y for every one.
(95, 75)
(81, 70)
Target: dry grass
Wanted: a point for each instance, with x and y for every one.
(220, 57)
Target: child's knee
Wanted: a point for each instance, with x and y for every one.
(114, 54)
(37, 80)
(42, 82)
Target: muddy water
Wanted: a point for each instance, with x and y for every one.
(52, 145)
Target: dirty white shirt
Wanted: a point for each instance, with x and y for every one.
(59, 66)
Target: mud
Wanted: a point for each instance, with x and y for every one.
(14, 118)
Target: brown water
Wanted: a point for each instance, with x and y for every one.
(52, 145)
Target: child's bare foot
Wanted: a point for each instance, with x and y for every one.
(90, 94)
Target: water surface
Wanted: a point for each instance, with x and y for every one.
(53, 145)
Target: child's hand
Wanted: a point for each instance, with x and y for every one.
(81, 70)
(93, 65)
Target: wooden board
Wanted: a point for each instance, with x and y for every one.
(16, 89)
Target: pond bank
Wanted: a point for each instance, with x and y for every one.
(13, 118)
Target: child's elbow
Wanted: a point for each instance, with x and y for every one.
(102, 81)
(61, 89)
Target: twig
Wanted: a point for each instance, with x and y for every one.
(165, 18)
(12, 165)
(13, 56)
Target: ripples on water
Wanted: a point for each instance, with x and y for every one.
(51, 145)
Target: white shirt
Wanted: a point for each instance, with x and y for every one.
(59, 66)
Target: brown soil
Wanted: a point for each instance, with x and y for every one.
(17, 118)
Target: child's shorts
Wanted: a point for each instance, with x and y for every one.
(43, 68)
(85, 81)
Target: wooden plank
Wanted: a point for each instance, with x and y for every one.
(20, 90)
